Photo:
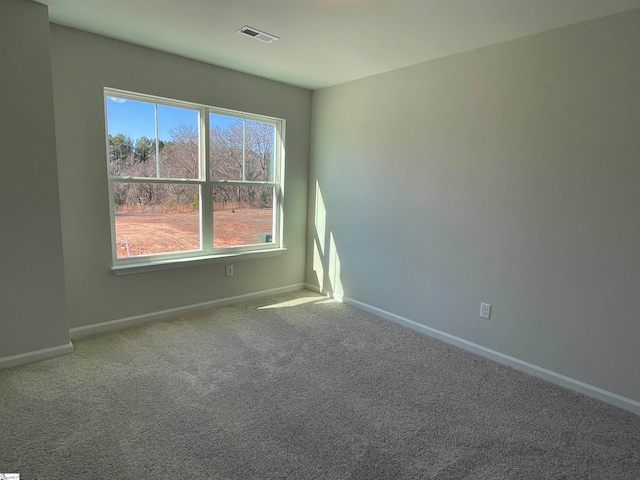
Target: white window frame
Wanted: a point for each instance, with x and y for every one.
(207, 253)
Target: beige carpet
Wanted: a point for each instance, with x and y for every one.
(298, 386)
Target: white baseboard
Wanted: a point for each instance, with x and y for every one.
(79, 332)
(29, 357)
(548, 375)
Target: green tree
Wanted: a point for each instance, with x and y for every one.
(145, 149)
(120, 149)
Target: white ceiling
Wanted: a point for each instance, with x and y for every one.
(323, 42)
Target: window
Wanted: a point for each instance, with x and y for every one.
(190, 181)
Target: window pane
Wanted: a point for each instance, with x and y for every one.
(133, 143)
(178, 142)
(129, 122)
(242, 215)
(156, 218)
(241, 149)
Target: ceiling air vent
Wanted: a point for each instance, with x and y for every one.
(257, 34)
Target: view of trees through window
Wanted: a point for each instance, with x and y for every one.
(157, 162)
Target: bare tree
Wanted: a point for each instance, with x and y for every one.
(241, 151)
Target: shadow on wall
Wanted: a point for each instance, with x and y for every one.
(326, 261)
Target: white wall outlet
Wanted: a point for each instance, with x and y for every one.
(485, 310)
(228, 270)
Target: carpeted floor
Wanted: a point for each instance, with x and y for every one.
(298, 386)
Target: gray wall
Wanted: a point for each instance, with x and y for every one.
(82, 65)
(508, 175)
(33, 313)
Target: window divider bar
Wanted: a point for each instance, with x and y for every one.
(188, 181)
(157, 142)
(206, 189)
(248, 183)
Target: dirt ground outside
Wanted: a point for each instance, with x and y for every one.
(148, 233)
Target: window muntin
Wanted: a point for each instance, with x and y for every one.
(177, 193)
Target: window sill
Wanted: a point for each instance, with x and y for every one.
(132, 268)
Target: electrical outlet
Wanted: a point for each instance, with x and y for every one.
(485, 310)
(228, 270)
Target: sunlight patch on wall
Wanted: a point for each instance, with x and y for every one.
(326, 261)
(320, 219)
